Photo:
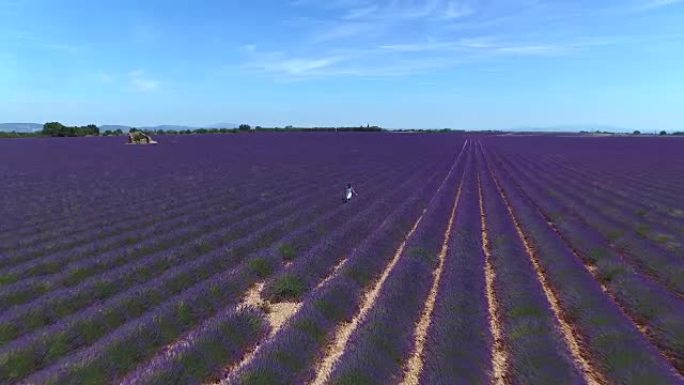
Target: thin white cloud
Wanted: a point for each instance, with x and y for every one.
(407, 37)
(64, 47)
(344, 30)
(533, 49)
(304, 66)
(283, 65)
(367, 19)
(362, 12)
(105, 77)
(457, 10)
(394, 10)
(140, 82)
(653, 4)
(399, 59)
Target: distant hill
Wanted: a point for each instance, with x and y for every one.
(114, 127)
(20, 127)
(574, 128)
(222, 125)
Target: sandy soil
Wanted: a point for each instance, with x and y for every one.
(415, 363)
(345, 330)
(591, 375)
(499, 354)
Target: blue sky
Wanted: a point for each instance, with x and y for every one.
(471, 64)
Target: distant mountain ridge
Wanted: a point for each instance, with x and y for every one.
(573, 128)
(35, 127)
(20, 127)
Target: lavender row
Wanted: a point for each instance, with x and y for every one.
(44, 227)
(79, 270)
(222, 341)
(130, 179)
(206, 269)
(614, 343)
(58, 304)
(291, 356)
(650, 303)
(458, 343)
(379, 347)
(43, 275)
(637, 197)
(211, 281)
(655, 173)
(235, 174)
(122, 348)
(158, 371)
(253, 215)
(604, 160)
(53, 262)
(181, 163)
(661, 264)
(118, 207)
(126, 218)
(657, 228)
(531, 335)
(311, 267)
(607, 160)
(24, 355)
(243, 270)
(205, 199)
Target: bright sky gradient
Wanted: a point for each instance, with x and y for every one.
(474, 64)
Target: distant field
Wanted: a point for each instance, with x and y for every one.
(232, 259)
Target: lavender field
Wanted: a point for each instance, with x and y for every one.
(232, 259)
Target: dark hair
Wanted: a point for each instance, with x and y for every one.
(348, 185)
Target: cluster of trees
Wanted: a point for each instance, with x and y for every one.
(184, 132)
(14, 134)
(367, 128)
(635, 133)
(676, 133)
(597, 132)
(661, 133)
(435, 130)
(117, 132)
(58, 129)
(248, 128)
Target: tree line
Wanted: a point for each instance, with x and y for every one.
(57, 129)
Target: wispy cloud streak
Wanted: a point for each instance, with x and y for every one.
(405, 37)
(140, 82)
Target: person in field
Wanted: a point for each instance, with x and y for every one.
(349, 192)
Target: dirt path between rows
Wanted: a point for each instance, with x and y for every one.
(345, 331)
(341, 337)
(415, 363)
(499, 354)
(591, 375)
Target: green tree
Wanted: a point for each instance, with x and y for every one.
(53, 129)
